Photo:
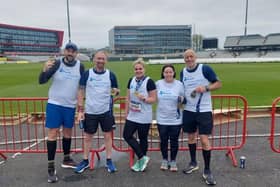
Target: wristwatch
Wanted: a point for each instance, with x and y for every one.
(144, 99)
(207, 88)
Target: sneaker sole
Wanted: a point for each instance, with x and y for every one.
(67, 166)
(82, 170)
(174, 169)
(163, 168)
(134, 170)
(190, 171)
(53, 181)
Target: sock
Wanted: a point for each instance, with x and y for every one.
(50, 165)
(51, 146)
(206, 157)
(192, 148)
(66, 145)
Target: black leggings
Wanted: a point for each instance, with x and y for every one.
(169, 132)
(130, 128)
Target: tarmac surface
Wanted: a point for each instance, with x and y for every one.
(262, 168)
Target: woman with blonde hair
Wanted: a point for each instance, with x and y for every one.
(141, 94)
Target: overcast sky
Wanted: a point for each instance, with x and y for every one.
(91, 19)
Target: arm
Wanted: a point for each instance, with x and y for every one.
(114, 84)
(81, 96)
(152, 98)
(49, 68)
(127, 102)
(152, 93)
(210, 75)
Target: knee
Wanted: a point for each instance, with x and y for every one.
(88, 138)
(205, 144)
(107, 135)
(192, 139)
(67, 132)
(126, 136)
(52, 134)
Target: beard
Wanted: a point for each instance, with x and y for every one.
(69, 58)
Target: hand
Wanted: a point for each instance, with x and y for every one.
(115, 91)
(48, 65)
(140, 97)
(81, 116)
(180, 99)
(200, 89)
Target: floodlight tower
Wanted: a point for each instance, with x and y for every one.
(246, 16)
(68, 18)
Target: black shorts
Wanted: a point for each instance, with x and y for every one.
(203, 121)
(106, 121)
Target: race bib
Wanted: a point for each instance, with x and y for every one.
(135, 106)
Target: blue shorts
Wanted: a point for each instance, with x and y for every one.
(57, 115)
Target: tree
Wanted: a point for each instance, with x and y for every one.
(197, 42)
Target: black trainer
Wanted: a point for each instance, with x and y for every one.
(209, 178)
(69, 163)
(193, 166)
(52, 177)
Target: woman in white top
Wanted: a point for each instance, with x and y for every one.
(141, 94)
(170, 94)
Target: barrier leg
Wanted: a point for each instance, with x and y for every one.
(131, 158)
(92, 160)
(3, 156)
(231, 154)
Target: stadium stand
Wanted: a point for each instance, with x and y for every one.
(272, 40)
(253, 42)
(249, 41)
(231, 41)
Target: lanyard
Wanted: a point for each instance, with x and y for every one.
(139, 83)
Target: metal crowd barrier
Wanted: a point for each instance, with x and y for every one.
(275, 126)
(22, 128)
(229, 132)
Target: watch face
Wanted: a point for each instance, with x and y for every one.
(193, 94)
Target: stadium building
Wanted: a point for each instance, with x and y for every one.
(161, 39)
(19, 40)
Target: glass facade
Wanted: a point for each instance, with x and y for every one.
(26, 40)
(150, 39)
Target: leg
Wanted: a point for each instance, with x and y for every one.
(190, 127)
(108, 144)
(53, 122)
(205, 129)
(206, 151)
(174, 132)
(163, 134)
(128, 134)
(192, 146)
(66, 142)
(51, 146)
(143, 130)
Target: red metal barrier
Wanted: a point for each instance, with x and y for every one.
(229, 132)
(22, 129)
(275, 126)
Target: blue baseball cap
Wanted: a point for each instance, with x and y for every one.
(72, 46)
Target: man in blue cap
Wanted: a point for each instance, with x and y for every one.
(60, 111)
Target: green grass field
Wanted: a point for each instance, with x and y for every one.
(258, 82)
